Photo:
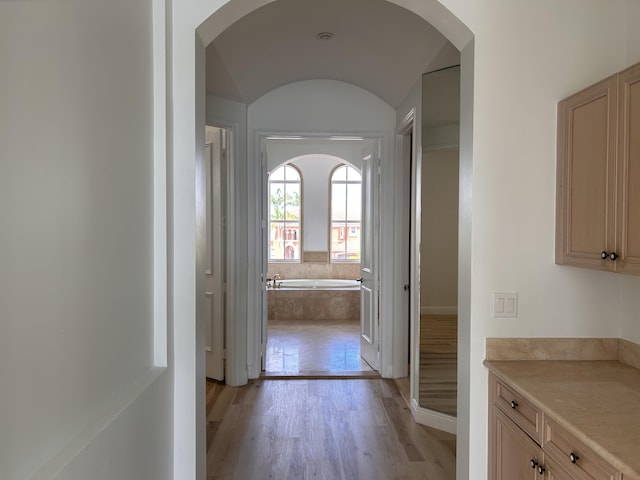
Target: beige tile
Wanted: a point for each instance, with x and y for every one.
(629, 353)
(302, 347)
(552, 349)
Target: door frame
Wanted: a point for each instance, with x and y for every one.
(256, 294)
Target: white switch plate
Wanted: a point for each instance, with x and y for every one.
(504, 305)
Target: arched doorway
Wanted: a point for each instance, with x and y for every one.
(187, 118)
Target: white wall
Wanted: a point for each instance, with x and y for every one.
(316, 175)
(527, 57)
(76, 244)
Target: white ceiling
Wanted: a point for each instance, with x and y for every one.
(378, 46)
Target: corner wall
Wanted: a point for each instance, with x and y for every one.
(77, 255)
(553, 49)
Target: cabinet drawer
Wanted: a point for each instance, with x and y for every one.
(575, 457)
(523, 413)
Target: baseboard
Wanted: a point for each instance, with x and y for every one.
(433, 419)
(439, 310)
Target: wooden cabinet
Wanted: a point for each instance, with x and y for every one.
(598, 184)
(516, 455)
(550, 452)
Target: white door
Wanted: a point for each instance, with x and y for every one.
(265, 251)
(369, 326)
(214, 270)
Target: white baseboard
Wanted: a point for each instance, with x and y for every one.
(444, 310)
(433, 419)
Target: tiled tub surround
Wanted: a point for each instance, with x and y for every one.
(315, 269)
(313, 305)
(594, 397)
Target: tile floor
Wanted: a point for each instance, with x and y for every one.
(326, 348)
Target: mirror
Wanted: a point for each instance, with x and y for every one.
(439, 240)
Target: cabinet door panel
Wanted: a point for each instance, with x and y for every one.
(513, 450)
(628, 231)
(554, 471)
(586, 155)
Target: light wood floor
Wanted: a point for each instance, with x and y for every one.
(439, 363)
(321, 429)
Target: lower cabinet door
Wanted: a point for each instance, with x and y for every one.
(516, 456)
(554, 471)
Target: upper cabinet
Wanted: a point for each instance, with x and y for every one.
(598, 185)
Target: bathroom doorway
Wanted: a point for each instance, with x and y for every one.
(312, 254)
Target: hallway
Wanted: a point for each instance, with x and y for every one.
(329, 429)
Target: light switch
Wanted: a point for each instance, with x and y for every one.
(505, 305)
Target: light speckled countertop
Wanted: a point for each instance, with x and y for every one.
(597, 401)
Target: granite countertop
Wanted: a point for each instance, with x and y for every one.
(597, 401)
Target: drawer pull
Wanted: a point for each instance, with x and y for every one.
(573, 457)
(541, 470)
(533, 463)
(514, 404)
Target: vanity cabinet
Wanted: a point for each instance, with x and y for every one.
(524, 444)
(598, 176)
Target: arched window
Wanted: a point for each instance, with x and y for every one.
(346, 187)
(285, 203)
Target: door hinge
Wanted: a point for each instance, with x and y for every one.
(224, 353)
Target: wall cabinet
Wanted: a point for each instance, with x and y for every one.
(598, 177)
(524, 444)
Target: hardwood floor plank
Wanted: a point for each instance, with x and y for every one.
(331, 429)
(439, 363)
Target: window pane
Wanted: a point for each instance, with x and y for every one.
(277, 175)
(354, 200)
(338, 198)
(276, 201)
(291, 174)
(339, 174)
(353, 175)
(292, 201)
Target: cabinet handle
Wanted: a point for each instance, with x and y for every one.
(604, 255)
(541, 470)
(533, 463)
(613, 256)
(514, 404)
(573, 457)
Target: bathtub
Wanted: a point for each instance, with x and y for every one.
(314, 300)
(318, 283)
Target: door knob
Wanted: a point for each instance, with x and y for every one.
(613, 256)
